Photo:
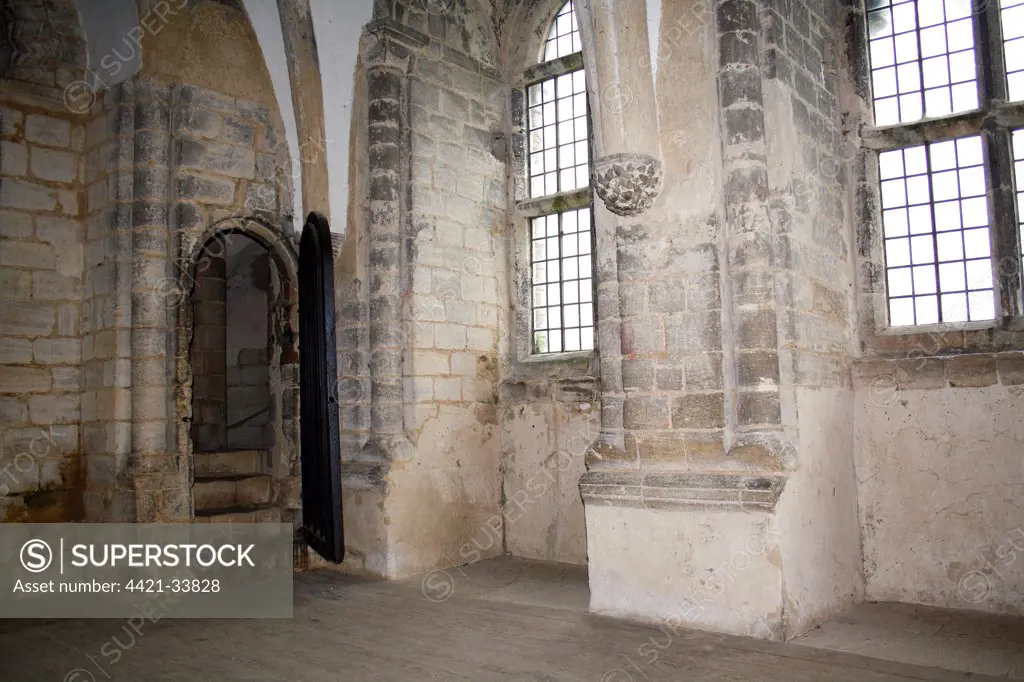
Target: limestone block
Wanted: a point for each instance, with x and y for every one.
(67, 202)
(261, 197)
(13, 159)
(55, 166)
(448, 389)
(11, 120)
(59, 231)
(26, 195)
(15, 283)
(26, 318)
(206, 190)
(426, 363)
(68, 319)
(199, 122)
(698, 411)
(53, 286)
(15, 225)
(15, 351)
(54, 409)
(28, 255)
(230, 160)
(57, 351)
(47, 130)
(759, 407)
(66, 378)
(464, 364)
(24, 379)
(450, 336)
(479, 338)
(646, 412)
(12, 410)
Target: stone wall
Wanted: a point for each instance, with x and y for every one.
(549, 405)
(734, 305)
(43, 43)
(250, 290)
(230, 172)
(547, 425)
(939, 480)
(41, 297)
(808, 200)
(419, 351)
(937, 435)
(208, 354)
(106, 329)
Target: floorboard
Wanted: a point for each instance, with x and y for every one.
(503, 619)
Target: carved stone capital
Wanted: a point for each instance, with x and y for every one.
(382, 48)
(628, 183)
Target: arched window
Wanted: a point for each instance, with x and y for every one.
(558, 158)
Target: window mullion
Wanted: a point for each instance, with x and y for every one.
(989, 53)
(1005, 235)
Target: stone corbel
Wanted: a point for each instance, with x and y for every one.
(628, 184)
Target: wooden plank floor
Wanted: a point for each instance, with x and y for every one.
(985, 643)
(504, 619)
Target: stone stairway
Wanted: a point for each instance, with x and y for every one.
(230, 486)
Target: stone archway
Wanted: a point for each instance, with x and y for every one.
(244, 468)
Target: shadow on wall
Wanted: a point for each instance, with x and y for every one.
(236, 284)
(212, 46)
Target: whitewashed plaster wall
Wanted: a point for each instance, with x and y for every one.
(338, 25)
(941, 489)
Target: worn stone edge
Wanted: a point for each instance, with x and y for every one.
(682, 491)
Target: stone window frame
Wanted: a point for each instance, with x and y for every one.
(994, 120)
(523, 208)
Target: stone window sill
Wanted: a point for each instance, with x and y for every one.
(989, 336)
(574, 366)
(926, 329)
(558, 357)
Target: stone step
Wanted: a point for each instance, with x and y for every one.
(258, 513)
(213, 491)
(239, 462)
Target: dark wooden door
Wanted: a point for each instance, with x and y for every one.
(318, 371)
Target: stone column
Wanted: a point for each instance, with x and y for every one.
(753, 415)
(106, 401)
(627, 176)
(627, 169)
(387, 64)
(161, 484)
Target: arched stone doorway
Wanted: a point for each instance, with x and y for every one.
(238, 392)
